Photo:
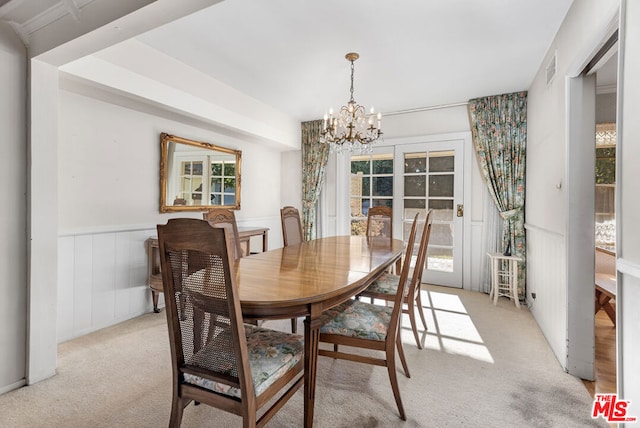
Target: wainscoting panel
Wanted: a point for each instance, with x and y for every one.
(102, 275)
(628, 324)
(101, 280)
(546, 277)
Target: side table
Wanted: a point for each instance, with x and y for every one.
(504, 277)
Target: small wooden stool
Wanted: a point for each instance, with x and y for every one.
(504, 281)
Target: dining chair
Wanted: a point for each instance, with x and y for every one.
(222, 217)
(229, 365)
(380, 222)
(291, 226)
(386, 286)
(291, 235)
(368, 326)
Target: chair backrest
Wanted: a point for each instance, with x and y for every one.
(291, 226)
(222, 217)
(421, 259)
(380, 222)
(402, 283)
(206, 330)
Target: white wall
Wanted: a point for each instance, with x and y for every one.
(105, 218)
(13, 181)
(585, 25)
(628, 207)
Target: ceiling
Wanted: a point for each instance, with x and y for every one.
(290, 53)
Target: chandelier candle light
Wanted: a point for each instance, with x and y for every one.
(352, 128)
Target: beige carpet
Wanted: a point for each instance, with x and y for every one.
(483, 366)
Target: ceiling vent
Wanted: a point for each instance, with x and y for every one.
(551, 68)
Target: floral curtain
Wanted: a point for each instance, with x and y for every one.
(314, 160)
(499, 129)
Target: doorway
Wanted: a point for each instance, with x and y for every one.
(431, 176)
(605, 366)
(581, 208)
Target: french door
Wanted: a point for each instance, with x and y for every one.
(430, 176)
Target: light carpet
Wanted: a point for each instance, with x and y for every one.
(482, 366)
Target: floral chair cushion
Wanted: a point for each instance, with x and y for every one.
(387, 283)
(354, 318)
(271, 354)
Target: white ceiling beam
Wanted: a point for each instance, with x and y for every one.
(105, 23)
(73, 9)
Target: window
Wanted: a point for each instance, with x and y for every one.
(196, 181)
(371, 186)
(223, 183)
(605, 184)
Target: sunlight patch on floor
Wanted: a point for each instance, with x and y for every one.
(450, 328)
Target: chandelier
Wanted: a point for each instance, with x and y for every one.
(352, 129)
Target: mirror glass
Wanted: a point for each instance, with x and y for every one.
(196, 176)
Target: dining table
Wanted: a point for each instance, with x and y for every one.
(305, 279)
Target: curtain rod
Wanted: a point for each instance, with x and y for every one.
(415, 110)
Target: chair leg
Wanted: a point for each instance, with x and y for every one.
(177, 407)
(412, 317)
(421, 310)
(401, 354)
(294, 325)
(249, 420)
(391, 369)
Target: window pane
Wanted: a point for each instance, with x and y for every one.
(230, 169)
(440, 259)
(366, 186)
(415, 185)
(441, 161)
(382, 186)
(216, 199)
(229, 185)
(415, 162)
(366, 203)
(229, 200)
(196, 184)
(216, 169)
(197, 168)
(361, 166)
(441, 234)
(441, 185)
(383, 203)
(414, 203)
(216, 184)
(186, 168)
(383, 166)
(410, 213)
(442, 210)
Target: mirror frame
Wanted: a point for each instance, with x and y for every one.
(165, 139)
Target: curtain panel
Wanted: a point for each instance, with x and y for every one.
(314, 160)
(499, 130)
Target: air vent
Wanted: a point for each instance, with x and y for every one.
(551, 68)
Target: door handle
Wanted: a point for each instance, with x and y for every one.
(460, 210)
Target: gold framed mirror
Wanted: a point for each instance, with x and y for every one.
(197, 176)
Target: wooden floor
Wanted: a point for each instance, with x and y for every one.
(605, 363)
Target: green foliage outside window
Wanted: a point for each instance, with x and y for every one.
(606, 165)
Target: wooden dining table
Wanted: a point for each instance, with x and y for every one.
(306, 279)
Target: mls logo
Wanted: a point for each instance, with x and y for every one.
(610, 408)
